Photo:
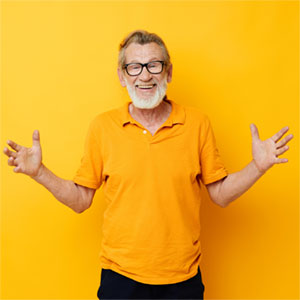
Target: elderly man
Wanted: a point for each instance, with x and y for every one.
(150, 155)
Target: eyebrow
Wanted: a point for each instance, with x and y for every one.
(152, 59)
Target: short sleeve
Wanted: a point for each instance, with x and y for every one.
(212, 167)
(89, 173)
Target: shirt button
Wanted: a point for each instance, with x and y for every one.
(145, 131)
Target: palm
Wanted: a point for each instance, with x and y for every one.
(265, 153)
(25, 160)
(29, 160)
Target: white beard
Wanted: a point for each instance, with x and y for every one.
(151, 102)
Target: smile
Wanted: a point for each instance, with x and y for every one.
(145, 86)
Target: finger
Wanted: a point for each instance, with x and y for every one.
(14, 145)
(36, 138)
(9, 153)
(281, 160)
(279, 134)
(17, 169)
(284, 141)
(282, 150)
(11, 162)
(254, 131)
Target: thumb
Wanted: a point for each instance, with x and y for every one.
(36, 138)
(254, 131)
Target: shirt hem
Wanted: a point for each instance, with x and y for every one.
(152, 281)
(85, 183)
(216, 177)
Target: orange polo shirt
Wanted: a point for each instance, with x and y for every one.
(151, 227)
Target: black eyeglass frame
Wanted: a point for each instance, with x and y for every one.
(145, 65)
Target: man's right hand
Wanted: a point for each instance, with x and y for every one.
(26, 160)
(29, 161)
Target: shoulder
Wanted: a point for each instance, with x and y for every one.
(195, 115)
(106, 118)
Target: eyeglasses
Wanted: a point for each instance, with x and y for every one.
(153, 67)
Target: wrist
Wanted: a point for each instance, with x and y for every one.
(39, 173)
(259, 171)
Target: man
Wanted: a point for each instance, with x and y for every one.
(150, 155)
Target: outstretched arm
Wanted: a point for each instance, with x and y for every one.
(29, 161)
(264, 156)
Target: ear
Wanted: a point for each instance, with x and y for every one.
(169, 73)
(121, 77)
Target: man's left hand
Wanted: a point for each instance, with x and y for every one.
(265, 153)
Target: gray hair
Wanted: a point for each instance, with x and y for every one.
(142, 37)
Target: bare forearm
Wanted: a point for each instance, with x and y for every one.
(63, 190)
(236, 184)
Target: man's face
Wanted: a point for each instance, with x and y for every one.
(146, 90)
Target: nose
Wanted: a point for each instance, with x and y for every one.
(145, 75)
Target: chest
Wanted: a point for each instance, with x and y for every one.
(142, 159)
(153, 127)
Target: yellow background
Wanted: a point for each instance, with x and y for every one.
(236, 60)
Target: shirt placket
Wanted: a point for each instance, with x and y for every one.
(146, 134)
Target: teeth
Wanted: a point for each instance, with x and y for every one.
(146, 86)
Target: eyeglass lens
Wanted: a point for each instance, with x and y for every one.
(152, 67)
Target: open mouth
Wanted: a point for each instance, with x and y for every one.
(145, 86)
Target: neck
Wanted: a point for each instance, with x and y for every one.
(151, 116)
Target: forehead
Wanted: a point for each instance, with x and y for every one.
(143, 53)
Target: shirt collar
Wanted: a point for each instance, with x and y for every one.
(177, 115)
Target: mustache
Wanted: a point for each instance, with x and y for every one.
(147, 83)
(154, 81)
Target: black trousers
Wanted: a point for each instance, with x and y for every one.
(116, 286)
